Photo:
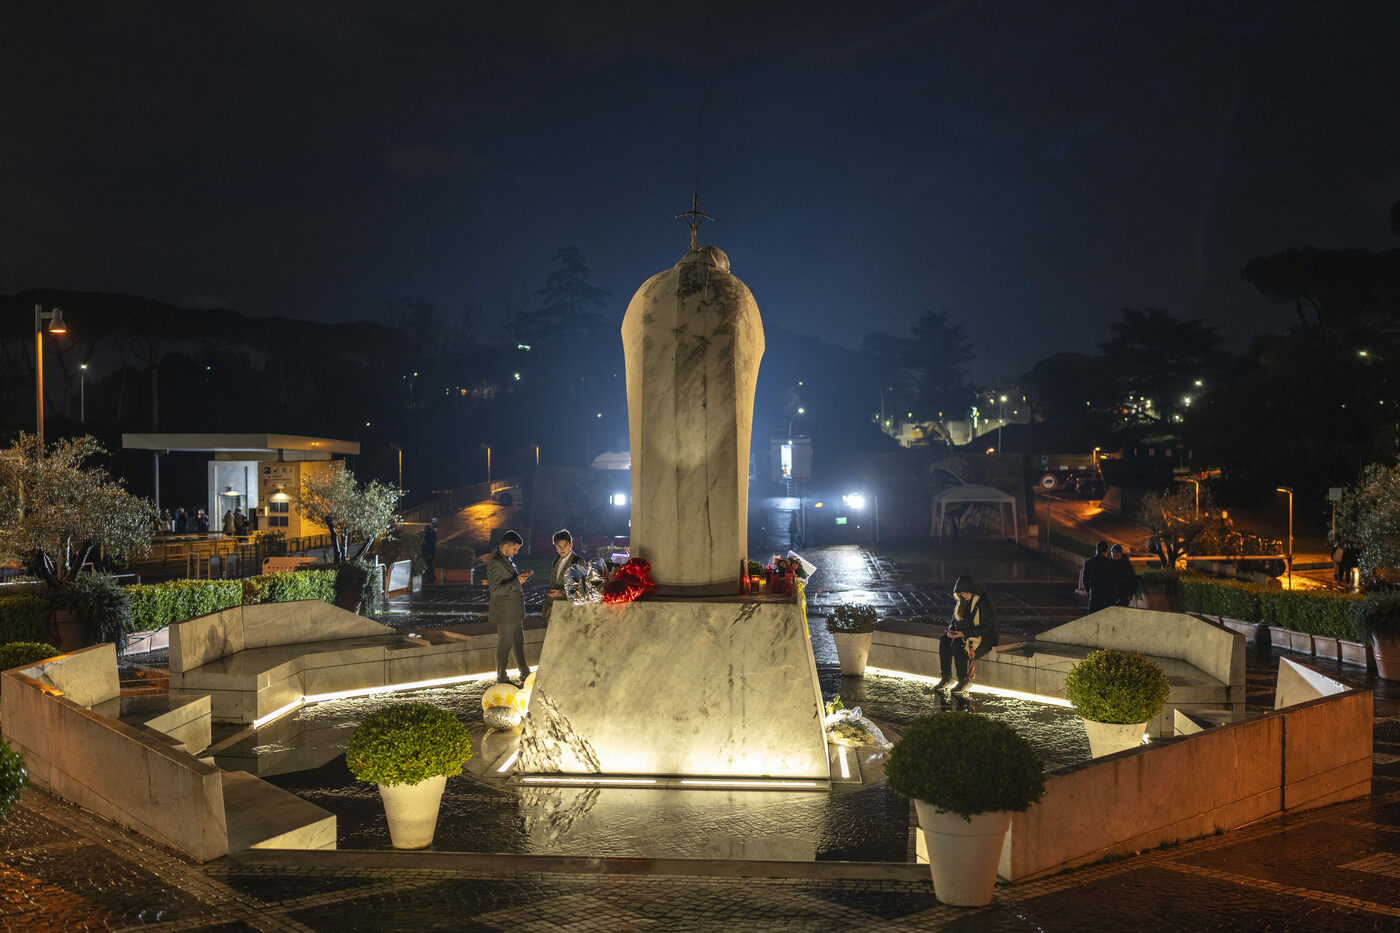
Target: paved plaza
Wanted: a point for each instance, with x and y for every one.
(1332, 869)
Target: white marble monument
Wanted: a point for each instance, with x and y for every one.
(692, 339)
(698, 681)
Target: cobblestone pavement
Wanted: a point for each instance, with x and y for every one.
(1333, 869)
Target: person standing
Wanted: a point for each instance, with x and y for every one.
(1098, 579)
(228, 523)
(559, 570)
(429, 549)
(240, 522)
(201, 522)
(1125, 581)
(182, 522)
(506, 584)
(972, 632)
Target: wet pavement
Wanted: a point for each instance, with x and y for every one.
(1332, 869)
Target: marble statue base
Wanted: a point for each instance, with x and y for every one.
(721, 688)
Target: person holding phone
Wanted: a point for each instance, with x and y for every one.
(506, 584)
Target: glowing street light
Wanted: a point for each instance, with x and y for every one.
(1289, 490)
(82, 392)
(57, 328)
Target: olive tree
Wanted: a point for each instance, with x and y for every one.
(349, 511)
(57, 512)
(1368, 519)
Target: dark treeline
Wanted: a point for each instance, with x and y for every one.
(1312, 400)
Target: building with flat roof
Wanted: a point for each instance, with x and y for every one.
(258, 473)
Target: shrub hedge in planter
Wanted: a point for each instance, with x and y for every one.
(408, 744)
(1216, 597)
(1378, 613)
(1117, 687)
(965, 763)
(1316, 612)
(13, 776)
(25, 653)
(851, 619)
(101, 604)
(289, 587)
(22, 614)
(156, 605)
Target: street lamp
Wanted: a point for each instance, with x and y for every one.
(1188, 479)
(56, 327)
(1001, 421)
(1289, 490)
(82, 392)
(800, 411)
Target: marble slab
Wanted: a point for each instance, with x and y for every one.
(717, 688)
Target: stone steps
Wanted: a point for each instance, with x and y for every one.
(261, 816)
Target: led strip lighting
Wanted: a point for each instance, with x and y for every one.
(364, 692)
(508, 762)
(977, 688)
(587, 780)
(845, 766)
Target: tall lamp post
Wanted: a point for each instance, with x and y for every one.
(1289, 490)
(56, 327)
(1001, 421)
(82, 392)
(1188, 479)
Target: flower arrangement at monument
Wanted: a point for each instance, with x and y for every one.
(784, 573)
(631, 582)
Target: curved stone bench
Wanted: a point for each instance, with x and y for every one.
(260, 660)
(1204, 661)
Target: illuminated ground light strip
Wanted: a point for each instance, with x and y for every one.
(508, 762)
(845, 766)
(704, 782)
(978, 688)
(587, 780)
(364, 692)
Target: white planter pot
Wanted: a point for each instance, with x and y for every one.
(1105, 738)
(963, 855)
(1387, 651)
(853, 650)
(412, 810)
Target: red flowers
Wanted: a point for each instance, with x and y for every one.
(631, 581)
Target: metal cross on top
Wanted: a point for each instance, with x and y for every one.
(693, 219)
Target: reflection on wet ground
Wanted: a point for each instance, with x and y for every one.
(482, 812)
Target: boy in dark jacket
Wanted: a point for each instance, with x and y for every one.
(972, 632)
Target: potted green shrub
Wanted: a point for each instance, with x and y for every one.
(100, 606)
(966, 774)
(852, 627)
(1376, 620)
(1116, 694)
(24, 654)
(13, 776)
(409, 751)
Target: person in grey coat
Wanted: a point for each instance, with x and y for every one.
(507, 610)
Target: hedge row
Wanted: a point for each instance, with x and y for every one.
(288, 587)
(22, 616)
(156, 605)
(1316, 612)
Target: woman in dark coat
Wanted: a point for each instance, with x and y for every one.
(1125, 581)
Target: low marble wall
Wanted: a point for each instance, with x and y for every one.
(198, 641)
(132, 776)
(254, 683)
(1209, 646)
(1040, 666)
(1304, 756)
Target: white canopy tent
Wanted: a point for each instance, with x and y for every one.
(975, 495)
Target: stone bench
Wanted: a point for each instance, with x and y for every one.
(140, 773)
(1203, 661)
(260, 660)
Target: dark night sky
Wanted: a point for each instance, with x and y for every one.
(1030, 167)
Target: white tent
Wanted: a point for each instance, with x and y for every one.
(957, 495)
